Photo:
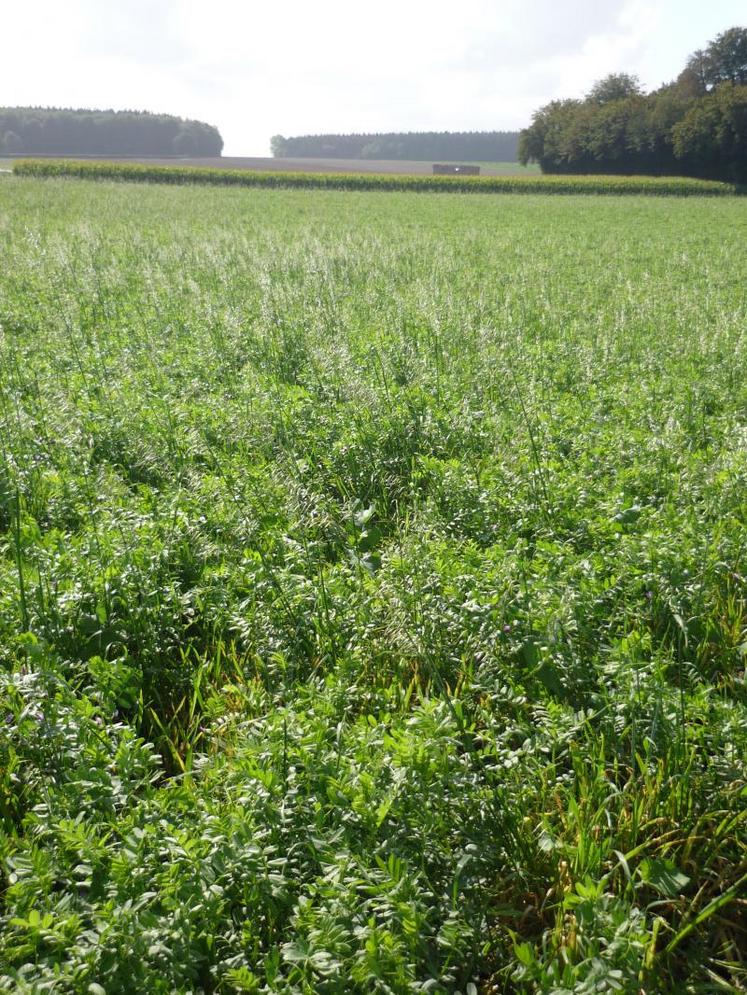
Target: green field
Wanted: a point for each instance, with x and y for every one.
(512, 168)
(372, 591)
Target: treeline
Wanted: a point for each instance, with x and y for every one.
(693, 126)
(49, 131)
(480, 146)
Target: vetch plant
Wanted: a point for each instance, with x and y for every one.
(372, 586)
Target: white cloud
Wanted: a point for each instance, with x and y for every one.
(296, 67)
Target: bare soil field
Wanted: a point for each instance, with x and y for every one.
(308, 165)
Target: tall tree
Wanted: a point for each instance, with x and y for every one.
(725, 58)
(711, 139)
(89, 132)
(616, 86)
(696, 125)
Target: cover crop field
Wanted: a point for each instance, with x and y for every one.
(372, 591)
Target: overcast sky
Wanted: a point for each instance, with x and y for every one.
(256, 68)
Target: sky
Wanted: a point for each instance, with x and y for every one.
(298, 67)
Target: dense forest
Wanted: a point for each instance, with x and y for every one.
(88, 132)
(480, 146)
(693, 126)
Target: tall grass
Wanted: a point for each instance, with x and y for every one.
(372, 592)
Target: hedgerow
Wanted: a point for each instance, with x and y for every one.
(140, 173)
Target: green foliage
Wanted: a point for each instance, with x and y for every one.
(136, 173)
(723, 61)
(692, 127)
(373, 609)
(714, 130)
(617, 86)
(479, 146)
(53, 131)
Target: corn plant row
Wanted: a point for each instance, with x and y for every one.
(140, 173)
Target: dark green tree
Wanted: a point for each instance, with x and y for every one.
(694, 77)
(711, 139)
(54, 131)
(694, 126)
(616, 86)
(724, 60)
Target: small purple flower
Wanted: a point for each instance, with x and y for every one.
(650, 595)
(506, 627)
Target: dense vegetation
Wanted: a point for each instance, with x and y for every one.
(694, 126)
(372, 592)
(609, 185)
(50, 131)
(476, 146)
